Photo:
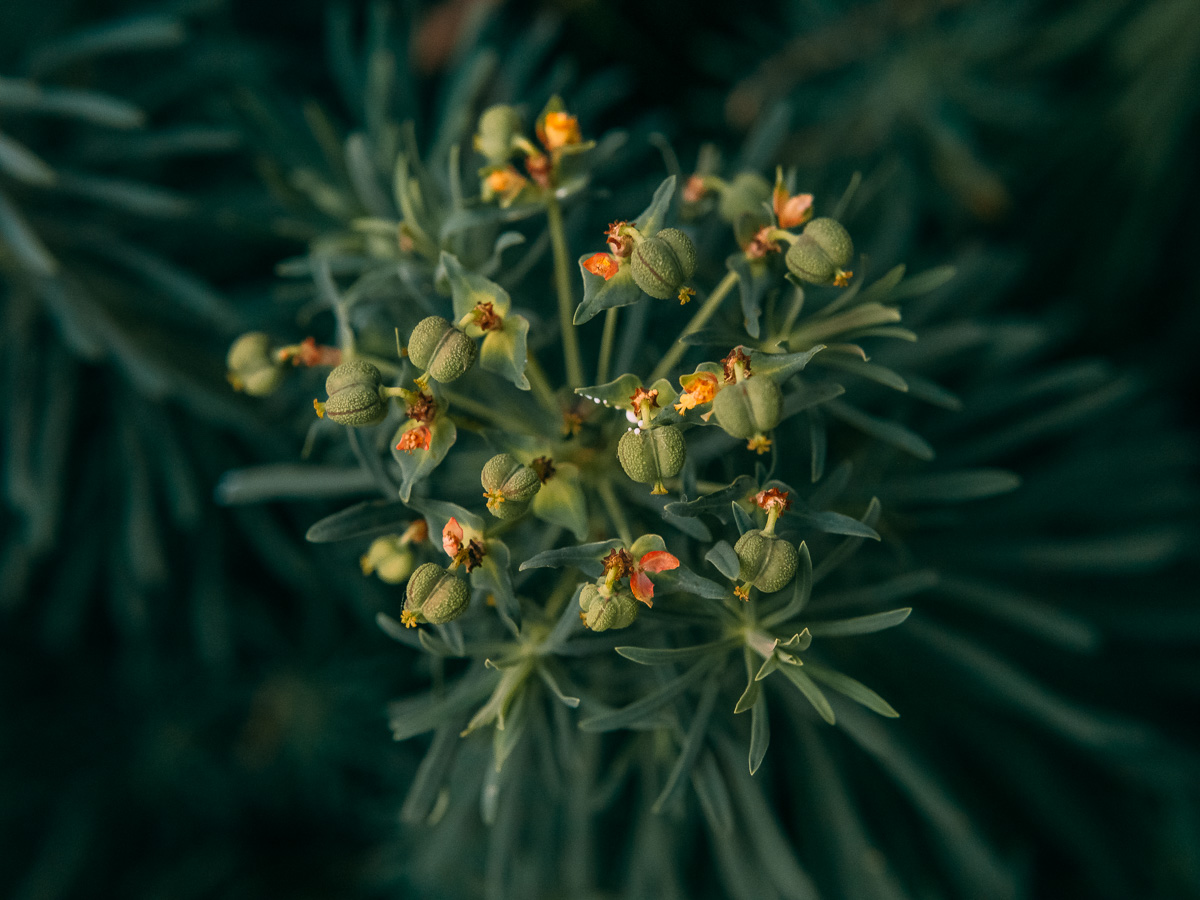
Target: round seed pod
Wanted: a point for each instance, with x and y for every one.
(831, 237)
(252, 366)
(601, 613)
(766, 561)
(391, 560)
(510, 486)
(750, 407)
(807, 261)
(651, 455)
(354, 399)
(437, 347)
(746, 193)
(497, 127)
(662, 263)
(435, 596)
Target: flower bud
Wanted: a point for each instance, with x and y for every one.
(435, 596)
(497, 127)
(600, 613)
(253, 368)
(750, 407)
(745, 194)
(440, 349)
(509, 486)
(831, 237)
(663, 262)
(388, 557)
(766, 561)
(354, 398)
(650, 455)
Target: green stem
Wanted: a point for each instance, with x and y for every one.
(566, 303)
(703, 314)
(604, 489)
(541, 385)
(482, 411)
(607, 340)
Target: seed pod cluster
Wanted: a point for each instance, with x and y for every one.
(437, 347)
(650, 455)
(354, 397)
(434, 596)
(766, 561)
(662, 263)
(821, 252)
(749, 408)
(600, 613)
(389, 558)
(252, 366)
(510, 486)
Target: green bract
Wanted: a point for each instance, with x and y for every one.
(498, 126)
(750, 407)
(663, 263)
(744, 195)
(354, 398)
(435, 596)
(648, 456)
(440, 349)
(766, 561)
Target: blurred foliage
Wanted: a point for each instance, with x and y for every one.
(190, 687)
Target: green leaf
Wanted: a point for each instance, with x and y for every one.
(584, 557)
(781, 366)
(654, 217)
(693, 742)
(426, 711)
(137, 33)
(640, 710)
(417, 464)
(437, 513)
(801, 590)
(835, 523)
(600, 293)
(683, 580)
(753, 692)
(397, 632)
(716, 502)
(754, 279)
(291, 481)
(952, 487)
(510, 729)
(713, 794)
(135, 197)
(552, 683)
(860, 624)
(23, 241)
(468, 289)
(23, 164)
(614, 394)
(89, 106)
(892, 433)
(661, 656)
(760, 733)
(364, 518)
(741, 518)
(811, 692)
(430, 774)
(855, 690)
(493, 576)
(870, 371)
(503, 351)
(561, 501)
(722, 556)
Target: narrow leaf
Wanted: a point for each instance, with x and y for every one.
(722, 556)
(639, 710)
(860, 624)
(855, 690)
(811, 692)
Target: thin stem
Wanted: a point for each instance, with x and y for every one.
(604, 489)
(607, 339)
(566, 303)
(480, 410)
(541, 385)
(703, 314)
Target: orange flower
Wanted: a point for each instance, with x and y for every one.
(464, 549)
(452, 537)
(694, 189)
(418, 438)
(558, 130)
(602, 264)
(773, 498)
(698, 388)
(654, 561)
(504, 183)
(761, 244)
(791, 211)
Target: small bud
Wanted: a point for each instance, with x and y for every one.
(509, 486)
(663, 262)
(252, 366)
(748, 408)
(435, 596)
(650, 455)
(744, 195)
(354, 398)
(389, 557)
(600, 613)
(498, 126)
(440, 349)
(766, 561)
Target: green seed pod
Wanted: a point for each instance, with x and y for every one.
(509, 486)
(768, 562)
(750, 407)
(662, 263)
(497, 127)
(252, 366)
(601, 613)
(440, 349)
(807, 261)
(435, 596)
(745, 194)
(388, 558)
(354, 398)
(650, 455)
(833, 239)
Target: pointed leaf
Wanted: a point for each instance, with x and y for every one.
(855, 690)
(417, 464)
(742, 519)
(754, 279)
(660, 656)
(892, 433)
(811, 692)
(468, 289)
(638, 711)
(504, 353)
(693, 742)
(781, 366)
(722, 556)
(801, 590)
(654, 217)
(684, 581)
(585, 557)
(760, 733)
(600, 294)
(361, 519)
(860, 624)
(493, 576)
(615, 393)
(561, 501)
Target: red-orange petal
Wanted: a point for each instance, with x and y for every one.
(643, 587)
(658, 561)
(601, 264)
